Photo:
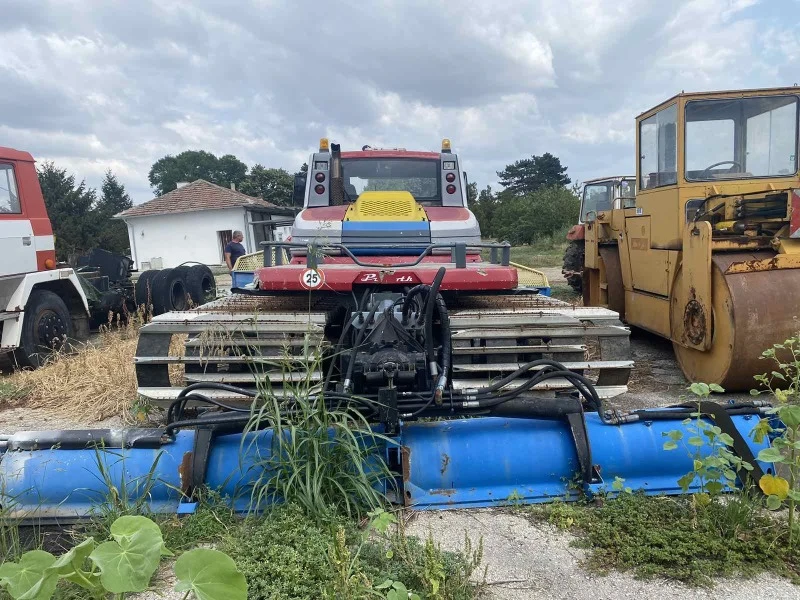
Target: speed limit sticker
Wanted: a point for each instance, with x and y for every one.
(312, 279)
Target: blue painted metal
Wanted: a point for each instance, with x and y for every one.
(490, 461)
(239, 279)
(446, 464)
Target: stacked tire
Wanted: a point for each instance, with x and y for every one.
(178, 289)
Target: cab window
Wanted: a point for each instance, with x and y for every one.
(658, 149)
(420, 177)
(9, 199)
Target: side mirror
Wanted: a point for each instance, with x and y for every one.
(299, 191)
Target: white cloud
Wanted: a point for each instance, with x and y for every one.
(97, 85)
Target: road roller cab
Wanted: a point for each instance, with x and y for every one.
(708, 254)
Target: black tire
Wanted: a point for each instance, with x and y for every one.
(144, 288)
(200, 284)
(573, 265)
(46, 327)
(169, 292)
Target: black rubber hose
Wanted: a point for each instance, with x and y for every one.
(429, 302)
(412, 293)
(447, 346)
(357, 343)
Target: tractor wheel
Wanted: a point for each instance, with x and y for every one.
(573, 265)
(46, 328)
(169, 292)
(200, 285)
(144, 288)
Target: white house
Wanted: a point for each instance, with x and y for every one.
(195, 221)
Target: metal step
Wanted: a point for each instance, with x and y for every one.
(571, 366)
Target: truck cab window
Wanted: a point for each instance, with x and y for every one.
(9, 199)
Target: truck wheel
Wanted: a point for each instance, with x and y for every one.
(200, 284)
(46, 328)
(169, 292)
(144, 288)
(573, 265)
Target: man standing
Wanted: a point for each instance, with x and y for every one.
(234, 249)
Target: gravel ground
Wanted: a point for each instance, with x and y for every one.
(529, 561)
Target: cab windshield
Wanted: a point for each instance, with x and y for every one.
(420, 177)
(597, 197)
(741, 138)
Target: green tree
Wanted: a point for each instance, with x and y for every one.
(533, 174)
(273, 185)
(541, 214)
(472, 192)
(70, 208)
(112, 233)
(483, 208)
(190, 165)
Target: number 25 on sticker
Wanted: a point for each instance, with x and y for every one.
(311, 278)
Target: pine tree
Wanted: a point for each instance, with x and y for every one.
(112, 233)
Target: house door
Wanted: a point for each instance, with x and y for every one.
(224, 237)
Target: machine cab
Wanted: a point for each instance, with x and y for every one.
(378, 197)
(608, 193)
(26, 236)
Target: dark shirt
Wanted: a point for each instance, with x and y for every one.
(235, 249)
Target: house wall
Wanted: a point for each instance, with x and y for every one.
(179, 238)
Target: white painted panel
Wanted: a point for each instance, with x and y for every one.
(17, 248)
(179, 238)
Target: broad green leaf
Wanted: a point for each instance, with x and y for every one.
(385, 585)
(770, 455)
(670, 445)
(778, 375)
(210, 574)
(761, 430)
(686, 481)
(32, 578)
(794, 495)
(381, 520)
(790, 415)
(746, 465)
(716, 388)
(696, 440)
(729, 474)
(698, 464)
(127, 564)
(726, 439)
(75, 558)
(773, 502)
(702, 499)
(686, 421)
(714, 487)
(70, 565)
(774, 486)
(675, 435)
(398, 591)
(699, 389)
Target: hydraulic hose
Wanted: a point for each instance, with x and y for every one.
(359, 338)
(444, 319)
(429, 302)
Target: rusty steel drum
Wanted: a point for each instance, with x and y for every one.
(750, 312)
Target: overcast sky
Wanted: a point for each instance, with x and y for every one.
(98, 84)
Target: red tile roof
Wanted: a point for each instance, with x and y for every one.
(199, 195)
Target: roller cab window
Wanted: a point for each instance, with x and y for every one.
(658, 149)
(741, 138)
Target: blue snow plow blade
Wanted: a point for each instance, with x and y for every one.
(64, 476)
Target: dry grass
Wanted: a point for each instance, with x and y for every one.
(95, 382)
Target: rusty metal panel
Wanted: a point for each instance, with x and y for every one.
(691, 325)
